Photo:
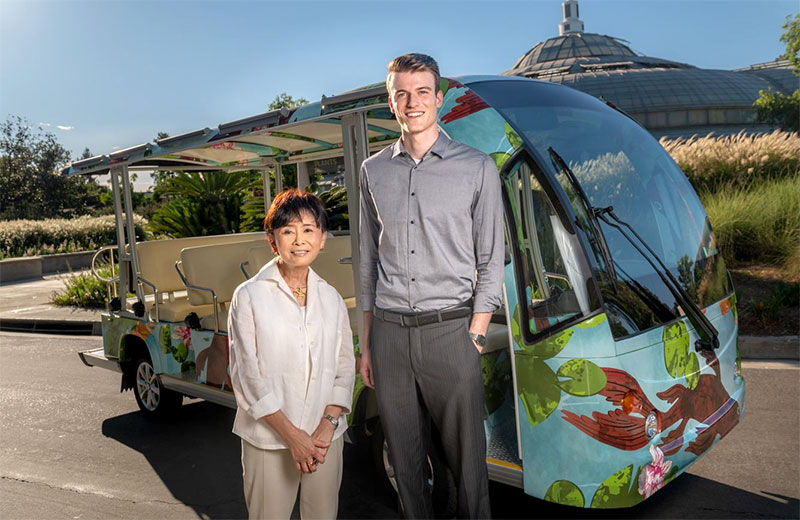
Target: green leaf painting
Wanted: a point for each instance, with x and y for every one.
(566, 493)
(500, 159)
(496, 368)
(584, 378)
(678, 357)
(693, 371)
(513, 137)
(552, 345)
(516, 332)
(619, 490)
(166, 339)
(538, 388)
(592, 322)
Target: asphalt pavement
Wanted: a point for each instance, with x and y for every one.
(72, 446)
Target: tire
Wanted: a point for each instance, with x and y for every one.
(440, 481)
(155, 402)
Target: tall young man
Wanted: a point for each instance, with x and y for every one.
(431, 219)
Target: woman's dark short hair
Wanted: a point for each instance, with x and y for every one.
(290, 204)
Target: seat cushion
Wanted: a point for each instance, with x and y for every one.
(496, 338)
(207, 322)
(176, 311)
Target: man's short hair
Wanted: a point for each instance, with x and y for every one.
(413, 62)
(290, 204)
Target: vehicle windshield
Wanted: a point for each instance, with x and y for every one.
(618, 163)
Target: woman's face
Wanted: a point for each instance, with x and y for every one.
(299, 242)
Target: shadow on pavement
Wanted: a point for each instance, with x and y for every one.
(199, 461)
(196, 456)
(689, 496)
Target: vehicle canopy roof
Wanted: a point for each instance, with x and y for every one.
(309, 132)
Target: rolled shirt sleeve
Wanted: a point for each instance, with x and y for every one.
(489, 240)
(368, 243)
(250, 387)
(344, 381)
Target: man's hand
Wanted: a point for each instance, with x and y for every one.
(365, 367)
(478, 347)
(480, 325)
(364, 359)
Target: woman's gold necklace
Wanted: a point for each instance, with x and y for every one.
(299, 292)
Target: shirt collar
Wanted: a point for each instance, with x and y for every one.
(439, 148)
(270, 272)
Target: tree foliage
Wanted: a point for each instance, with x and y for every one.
(30, 184)
(284, 100)
(791, 37)
(779, 109)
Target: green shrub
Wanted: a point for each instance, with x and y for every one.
(83, 290)
(768, 309)
(713, 163)
(38, 237)
(759, 223)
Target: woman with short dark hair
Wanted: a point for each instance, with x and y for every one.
(293, 369)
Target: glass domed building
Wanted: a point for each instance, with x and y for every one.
(669, 98)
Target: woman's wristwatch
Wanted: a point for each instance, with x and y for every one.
(334, 421)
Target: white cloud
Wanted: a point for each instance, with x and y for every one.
(116, 148)
(44, 124)
(62, 127)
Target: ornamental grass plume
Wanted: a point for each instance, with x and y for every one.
(36, 237)
(711, 162)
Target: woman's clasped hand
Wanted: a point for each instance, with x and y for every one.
(309, 450)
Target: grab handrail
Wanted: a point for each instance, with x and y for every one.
(207, 289)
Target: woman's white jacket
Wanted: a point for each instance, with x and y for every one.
(285, 357)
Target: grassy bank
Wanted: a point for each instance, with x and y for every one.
(758, 224)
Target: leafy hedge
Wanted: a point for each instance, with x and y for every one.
(38, 237)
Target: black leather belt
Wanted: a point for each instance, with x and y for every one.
(424, 318)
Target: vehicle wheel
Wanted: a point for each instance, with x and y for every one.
(154, 401)
(440, 482)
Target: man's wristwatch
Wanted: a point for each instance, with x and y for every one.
(479, 339)
(334, 421)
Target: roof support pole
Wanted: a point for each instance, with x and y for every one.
(278, 179)
(131, 228)
(123, 255)
(355, 145)
(303, 178)
(267, 190)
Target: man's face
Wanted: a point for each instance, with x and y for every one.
(414, 100)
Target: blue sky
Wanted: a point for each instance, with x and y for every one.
(108, 75)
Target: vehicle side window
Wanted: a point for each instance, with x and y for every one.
(546, 254)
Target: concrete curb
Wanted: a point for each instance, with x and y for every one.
(44, 326)
(27, 267)
(770, 347)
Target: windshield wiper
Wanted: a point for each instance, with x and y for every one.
(709, 337)
(591, 214)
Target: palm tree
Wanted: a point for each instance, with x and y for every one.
(202, 203)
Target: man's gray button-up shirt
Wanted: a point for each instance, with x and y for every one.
(431, 234)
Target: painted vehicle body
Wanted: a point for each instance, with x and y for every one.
(602, 384)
